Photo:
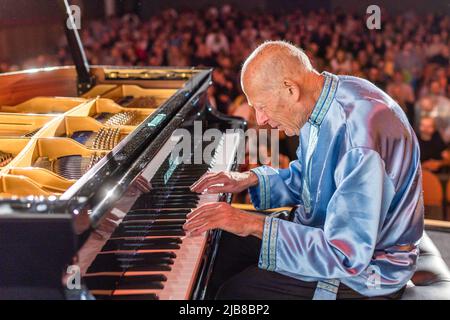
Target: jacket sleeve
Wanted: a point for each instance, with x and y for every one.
(355, 213)
(277, 187)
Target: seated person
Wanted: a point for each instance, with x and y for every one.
(356, 185)
(432, 146)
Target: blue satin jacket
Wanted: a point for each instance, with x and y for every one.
(357, 184)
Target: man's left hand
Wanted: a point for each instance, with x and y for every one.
(220, 215)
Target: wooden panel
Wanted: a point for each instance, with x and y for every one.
(16, 87)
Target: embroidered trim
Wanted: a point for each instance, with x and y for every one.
(320, 101)
(264, 188)
(325, 98)
(268, 257)
(331, 285)
(264, 260)
(273, 245)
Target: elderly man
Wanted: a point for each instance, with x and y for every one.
(356, 184)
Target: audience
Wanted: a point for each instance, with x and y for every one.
(432, 146)
(408, 57)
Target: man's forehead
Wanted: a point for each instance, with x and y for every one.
(255, 103)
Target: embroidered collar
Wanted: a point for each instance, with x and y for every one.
(325, 99)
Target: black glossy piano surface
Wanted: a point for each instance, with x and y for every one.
(122, 230)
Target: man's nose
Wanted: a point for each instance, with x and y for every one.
(261, 118)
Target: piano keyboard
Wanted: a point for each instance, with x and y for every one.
(149, 256)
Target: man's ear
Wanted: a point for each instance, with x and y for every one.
(292, 89)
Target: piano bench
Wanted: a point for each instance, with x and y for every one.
(431, 281)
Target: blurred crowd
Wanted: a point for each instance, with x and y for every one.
(408, 57)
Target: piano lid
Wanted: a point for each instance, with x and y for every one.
(85, 80)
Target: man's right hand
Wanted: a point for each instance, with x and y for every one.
(225, 181)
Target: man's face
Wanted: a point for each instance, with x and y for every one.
(435, 88)
(427, 127)
(275, 109)
(426, 104)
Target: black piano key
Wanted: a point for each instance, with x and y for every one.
(143, 233)
(116, 262)
(101, 283)
(176, 180)
(137, 217)
(160, 222)
(166, 203)
(140, 256)
(172, 192)
(144, 205)
(152, 267)
(142, 244)
(155, 224)
(173, 185)
(108, 282)
(171, 197)
(141, 282)
(156, 211)
(125, 228)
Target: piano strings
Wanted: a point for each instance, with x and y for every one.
(70, 167)
(137, 102)
(118, 119)
(104, 139)
(5, 158)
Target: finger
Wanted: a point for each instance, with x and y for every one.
(199, 220)
(204, 209)
(217, 189)
(203, 228)
(210, 181)
(203, 177)
(194, 224)
(213, 182)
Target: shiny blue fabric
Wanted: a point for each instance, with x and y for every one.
(364, 190)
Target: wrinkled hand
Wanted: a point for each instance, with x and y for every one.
(220, 215)
(225, 181)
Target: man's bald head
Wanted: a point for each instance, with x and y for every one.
(281, 85)
(272, 62)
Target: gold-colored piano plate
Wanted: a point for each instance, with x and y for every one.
(99, 106)
(22, 125)
(16, 185)
(67, 126)
(99, 90)
(159, 95)
(45, 181)
(44, 105)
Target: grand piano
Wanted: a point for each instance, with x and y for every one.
(92, 199)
